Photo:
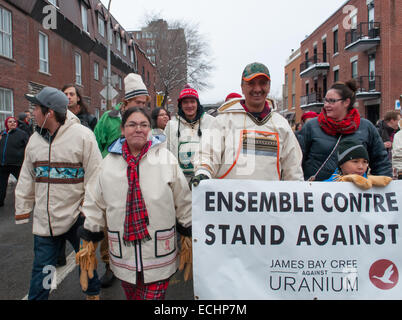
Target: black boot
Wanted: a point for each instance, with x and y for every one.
(107, 278)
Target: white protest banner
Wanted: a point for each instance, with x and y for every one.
(296, 240)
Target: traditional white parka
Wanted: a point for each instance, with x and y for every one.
(186, 146)
(243, 147)
(167, 198)
(53, 177)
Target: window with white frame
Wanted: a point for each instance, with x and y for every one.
(6, 36)
(84, 18)
(6, 105)
(118, 41)
(96, 71)
(110, 36)
(124, 48)
(132, 55)
(43, 53)
(101, 25)
(355, 71)
(78, 75)
(104, 79)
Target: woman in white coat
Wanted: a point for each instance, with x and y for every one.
(139, 193)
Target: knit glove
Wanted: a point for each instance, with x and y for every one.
(195, 181)
(186, 257)
(86, 258)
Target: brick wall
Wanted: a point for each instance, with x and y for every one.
(388, 56)
(21, 73)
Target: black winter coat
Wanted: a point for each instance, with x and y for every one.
(12, 147)
(316, 146)
(88, 120)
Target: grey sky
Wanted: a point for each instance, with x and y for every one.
(239, 32)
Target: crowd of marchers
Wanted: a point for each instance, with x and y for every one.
(123, 183)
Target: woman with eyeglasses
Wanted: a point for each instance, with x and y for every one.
(339, 120)
(139, 194)
(12, 147)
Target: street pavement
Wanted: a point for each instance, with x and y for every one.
(16, 252)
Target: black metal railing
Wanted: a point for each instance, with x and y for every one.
(365, 30)
(311, 98)
(370, 83)
(317, 58)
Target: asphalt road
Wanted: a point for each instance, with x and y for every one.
(16, 252)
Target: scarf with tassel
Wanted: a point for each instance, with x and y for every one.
(136, 220)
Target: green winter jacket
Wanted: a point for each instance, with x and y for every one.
(108, 129)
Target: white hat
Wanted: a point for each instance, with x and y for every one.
(134, 87)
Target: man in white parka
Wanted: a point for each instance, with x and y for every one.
(251, 141)
(185, 132)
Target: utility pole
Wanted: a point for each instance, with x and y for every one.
(109, 68)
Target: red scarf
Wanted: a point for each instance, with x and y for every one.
(266, 111)
(348, 125)
(136, 221)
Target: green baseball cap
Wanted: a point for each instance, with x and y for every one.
(254, 70)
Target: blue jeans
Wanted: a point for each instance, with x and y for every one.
(46, 250)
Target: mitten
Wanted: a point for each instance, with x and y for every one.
(86, 258)
(379, 181)
(358, 180)
(186, 257)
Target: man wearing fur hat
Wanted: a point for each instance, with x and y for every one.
(252, 141)
(107, 131)
(185, 131)
(108, 128)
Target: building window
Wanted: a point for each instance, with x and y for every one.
(354, 70)
(96, 71)
(286, 93)
(132, 55)
(78, 75)
(104, 79)
(293, 88)
(336, 75)
(101, 26)
(84, 18)
(43, 53)
(118, 41)
(370, 8)
(6, 37)
(124, 48)
(6, 105)
(110, 32)
(336, 48)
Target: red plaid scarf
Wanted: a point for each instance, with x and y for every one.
(348, 125)
(136, 221)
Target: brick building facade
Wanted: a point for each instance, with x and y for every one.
(51, 43)
(361, 40)
(292, 88)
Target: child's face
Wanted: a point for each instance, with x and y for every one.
(355, 166)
